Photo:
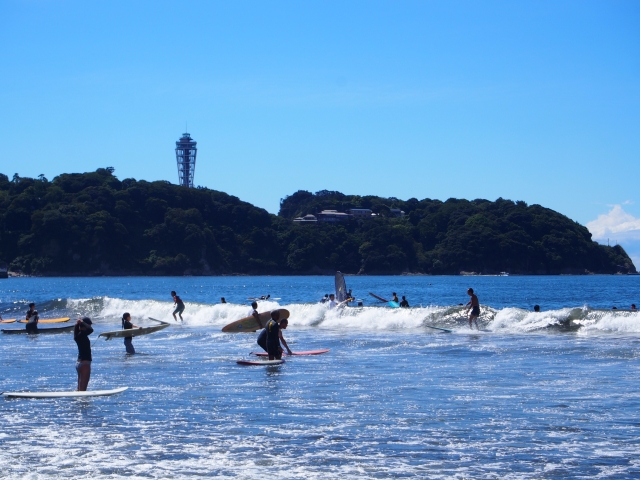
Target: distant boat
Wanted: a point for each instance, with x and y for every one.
(503, 274)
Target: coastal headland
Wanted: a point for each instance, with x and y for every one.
(95, 224)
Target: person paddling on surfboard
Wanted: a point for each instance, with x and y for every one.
(81, 332)
(127, 325)
(179, 304)
(32, 319)
(273, 336)
(474, 306)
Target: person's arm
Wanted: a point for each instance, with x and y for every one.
(256, 315)
(284, 343)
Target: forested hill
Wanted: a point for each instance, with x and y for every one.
(95, 224)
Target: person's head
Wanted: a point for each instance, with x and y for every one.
(332, 297)
(394, 294)
(470, 291)
(222, 300)
(268, 296)
(536, 308)
(126, 316)
(254, 305)
(283, 323)
(633, 306)
(326, 295)
(32, 305)
(86, 321)
(403, 297)
(275, 315)
(173, 293)
(614, 308)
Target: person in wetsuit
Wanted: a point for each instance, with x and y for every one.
(81, 333)
(404, 303)
(273, 336)
(395, 298)
(127, 325)
(474, 306)
(32, 319)
(179, 304)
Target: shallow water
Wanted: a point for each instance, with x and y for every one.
(545, 395)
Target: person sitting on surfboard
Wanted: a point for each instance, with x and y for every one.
(273, 334)
(395, 298)
(32, 319)
(474, 306)
(127, 325)
(81, 333)
(179, 304)
(404, 303)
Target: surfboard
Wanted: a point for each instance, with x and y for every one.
(379, 298)
(341, 288)
(135, 332)
(394, 304)
(249, 324)
(308, 352)
(50, 320)
(438, 328)
(8, 320)
(259, 362)
(68, 328)
(90, 393)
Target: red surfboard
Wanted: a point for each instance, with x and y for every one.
(308, 352)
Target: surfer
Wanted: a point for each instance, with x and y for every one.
(127, 325)
(536, 308)
(325, 299)
(222, 300)
(404, 303)
(81, 333)
(32, 319)
(633, 307)
(179, 304)
(273, 336)
(254, 313)
(265, 298)
(332, 302)
(395, 298)
(474, 306)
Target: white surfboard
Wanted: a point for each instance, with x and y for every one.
(90, 393)
(135, 332)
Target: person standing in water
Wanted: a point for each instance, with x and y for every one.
(127, 325)
(474, 306)
(222, 300)
(254, 313)
(179, 304)
(32, 319)
(81, 333)
(273, 336)
(332, 302)
(404, 303)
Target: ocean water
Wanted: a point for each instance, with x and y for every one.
(532, 395)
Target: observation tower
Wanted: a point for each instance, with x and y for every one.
(186, 158)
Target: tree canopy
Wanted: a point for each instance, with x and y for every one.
(95, 224)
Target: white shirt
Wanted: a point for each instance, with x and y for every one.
(332, 304)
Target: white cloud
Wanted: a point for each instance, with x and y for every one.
(617, 223)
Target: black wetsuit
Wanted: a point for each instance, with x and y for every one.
(262, 339)
(128, 341)
(273, 339)
(32, 327)
(84, 344)
(404, 304)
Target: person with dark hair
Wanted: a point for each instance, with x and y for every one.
(179, 304)
(633, 307)
(325, 299)
(81, 333)
(404, 303)
(395, 298)
(536, 308)
(222, 300)
(32, 319)
(474, 306)
(127, 325)
(272, 336)
(254, 313)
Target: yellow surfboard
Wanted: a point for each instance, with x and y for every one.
(50, 320)
(249, 324)
(8, 320)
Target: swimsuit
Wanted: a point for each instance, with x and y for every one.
(475, 311)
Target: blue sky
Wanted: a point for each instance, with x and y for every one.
(534, 101)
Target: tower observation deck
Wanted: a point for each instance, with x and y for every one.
(186, 158)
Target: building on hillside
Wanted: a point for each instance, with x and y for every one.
(396, 212)
(306, 219)
(333, 216)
